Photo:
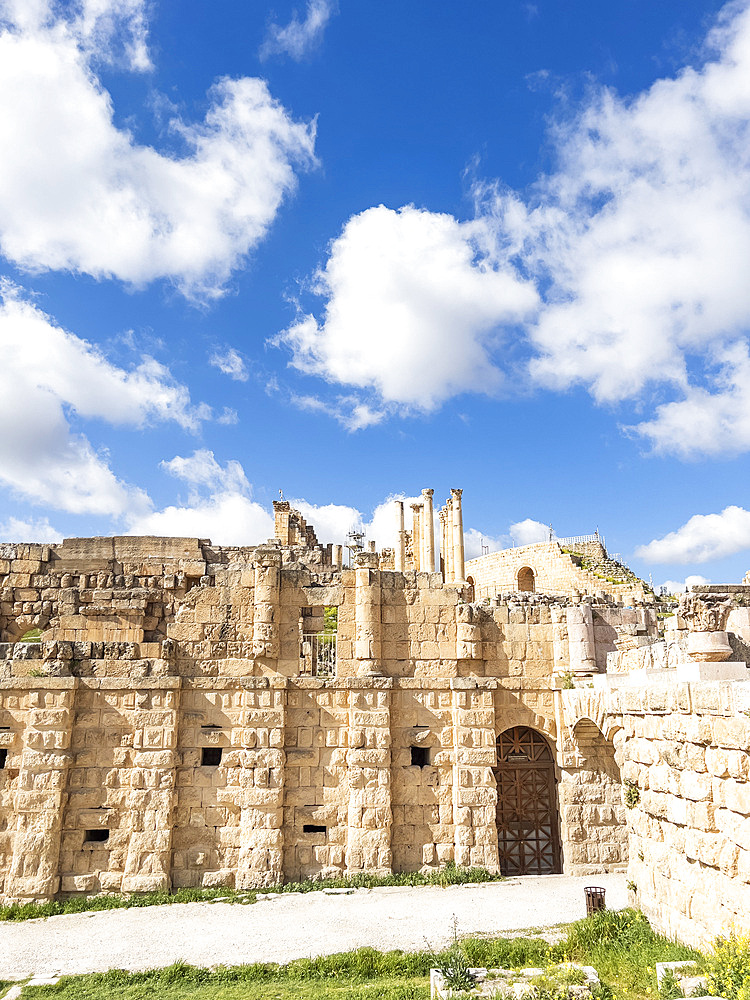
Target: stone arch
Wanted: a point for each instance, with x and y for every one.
(16, 628)
(472, 588)
(594, 829)
(526, 579)
(527, 809)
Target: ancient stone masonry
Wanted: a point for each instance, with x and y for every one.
(677, 713)
(195, 715)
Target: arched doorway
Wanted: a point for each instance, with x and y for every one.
(527, 836)
(472, 589)
(526, 579)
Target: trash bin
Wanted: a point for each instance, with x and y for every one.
(594, 899)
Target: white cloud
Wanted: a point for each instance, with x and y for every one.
(219, 504)
(230, 363)
(202, 470)
(702, 538)
(18, 530)
(46, 372)
(69, 178)
(351, 412)
(680, 586)
(528, 532)
(415, 305)
(637, 241)
(299, 37)
(227, 519)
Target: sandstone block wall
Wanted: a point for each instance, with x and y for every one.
(684, 752)
(554, 573)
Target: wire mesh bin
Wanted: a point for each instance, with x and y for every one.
(594, 899)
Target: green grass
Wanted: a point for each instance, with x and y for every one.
(620, 945)
(450, 874)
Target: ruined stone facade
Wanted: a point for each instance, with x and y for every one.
(198, 715)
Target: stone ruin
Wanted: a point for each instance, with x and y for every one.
(201, 715)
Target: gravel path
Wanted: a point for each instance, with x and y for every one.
(292, 925)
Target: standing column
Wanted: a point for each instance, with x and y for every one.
(337, 556)
(266, 608)
(459, 571)
(443, 562)
(428, 533)
(400, 561)
(367, 613)
(449, 573)
(580, 621)
(416, 536)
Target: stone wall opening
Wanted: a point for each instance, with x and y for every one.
(527, 817)
(526, 579)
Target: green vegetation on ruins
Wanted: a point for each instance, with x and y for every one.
(620, 945)
(449, 874)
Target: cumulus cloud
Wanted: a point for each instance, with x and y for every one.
(219, 505)
(46, 373)
(17, 529)
(526, 532)
(298, 38)
(415, 305)
(623, 270)
(230, 363)
(69, 178)
(702, 538)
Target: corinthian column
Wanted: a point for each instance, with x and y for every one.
(459, 570)
(428, 533)
(416, 536)
(400, 555)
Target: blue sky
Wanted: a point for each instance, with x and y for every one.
(349, 250)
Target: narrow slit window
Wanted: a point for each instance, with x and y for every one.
(314, 828)
(420, 756)
(3, 757)
(211, 756)
(96, 836)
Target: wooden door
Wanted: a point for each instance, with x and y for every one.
(528, 842)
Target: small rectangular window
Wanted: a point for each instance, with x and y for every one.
(313, 828)
(420, 756)
(96, 836)
(3, 757)
(211, 756)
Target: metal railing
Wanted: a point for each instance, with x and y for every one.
(572, 540)
(318, 654)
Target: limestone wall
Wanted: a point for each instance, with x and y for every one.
(554, 572)
(684, 751)
(170, 729)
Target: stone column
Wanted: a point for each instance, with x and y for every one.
(261, 801)
(42, 781)
(416, 536)
(367, 621)
(474, 788)
(400, 555)
(266, 609)
(443, 554)
(368, 759)
(152, 786)
(337, 556)
(582, 654)
(428, 533)
(459, 571)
